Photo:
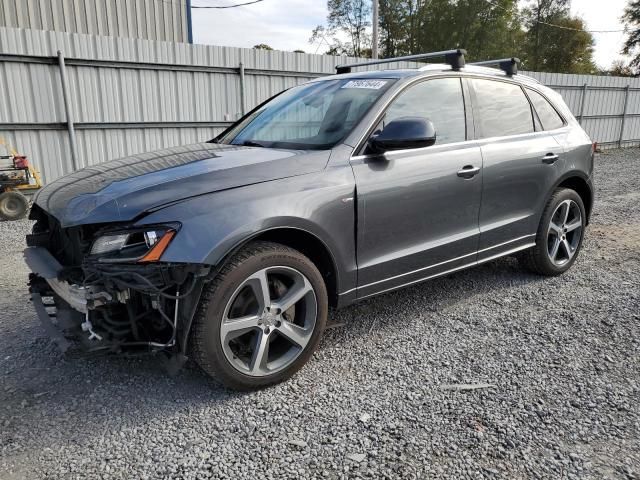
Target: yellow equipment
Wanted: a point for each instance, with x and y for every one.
(16, 176)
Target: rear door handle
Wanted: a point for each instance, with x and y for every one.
(468, 171)
(550, 158)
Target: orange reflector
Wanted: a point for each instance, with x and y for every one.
(158, 249)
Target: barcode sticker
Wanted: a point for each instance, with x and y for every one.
(372, 84)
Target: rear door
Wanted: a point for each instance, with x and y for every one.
(521, 163)
(417, 214)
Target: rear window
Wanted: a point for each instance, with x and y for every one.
(501, 109)
(548, 116)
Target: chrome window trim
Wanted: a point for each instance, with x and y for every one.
(436, 148)
(479, 142)
(448, 74)
(565, 122)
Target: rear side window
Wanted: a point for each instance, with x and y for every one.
(439, 100)
(501, 109)
(547, 114)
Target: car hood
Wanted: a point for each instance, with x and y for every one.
(123, 189)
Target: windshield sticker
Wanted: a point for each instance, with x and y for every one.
(372, 84)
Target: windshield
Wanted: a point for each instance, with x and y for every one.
(314, 116)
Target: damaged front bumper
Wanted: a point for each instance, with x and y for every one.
(80, 298)
(115, 308)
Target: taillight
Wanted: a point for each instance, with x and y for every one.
(594, 147)
(20, 162)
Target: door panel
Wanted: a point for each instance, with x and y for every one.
(516, 181)
(520, 166)
(416, 216)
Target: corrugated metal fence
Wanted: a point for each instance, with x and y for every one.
(150, 19)
(127, 96)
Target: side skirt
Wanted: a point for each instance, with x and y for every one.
(447, 272)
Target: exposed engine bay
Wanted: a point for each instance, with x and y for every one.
(98, 302)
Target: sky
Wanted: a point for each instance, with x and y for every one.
(287, 24)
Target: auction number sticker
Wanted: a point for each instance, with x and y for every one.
(372, 84)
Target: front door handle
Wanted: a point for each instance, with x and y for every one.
(468, 171)
(550, 158)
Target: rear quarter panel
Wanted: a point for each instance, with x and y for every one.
(575, 141)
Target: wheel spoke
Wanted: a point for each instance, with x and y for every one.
(554, 250)
(260, 285)
(248, 341)
(574, 225)
(295, 333)
(232, 328)
(564, 213)
(556, 229)
(297, 291)
(260, 354)
(567, 248)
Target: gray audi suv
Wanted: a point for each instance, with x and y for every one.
(231, 252)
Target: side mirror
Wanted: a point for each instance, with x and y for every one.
(404, 132)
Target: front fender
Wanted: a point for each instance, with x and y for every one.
(214, 225)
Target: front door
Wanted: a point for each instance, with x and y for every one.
(417, 208)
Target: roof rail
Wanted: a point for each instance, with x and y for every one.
(455, 58)
(507, 65)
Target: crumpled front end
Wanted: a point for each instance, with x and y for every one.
(92, 297)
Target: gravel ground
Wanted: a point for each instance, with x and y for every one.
(557, 362)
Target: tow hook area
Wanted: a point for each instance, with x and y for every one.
(88, 327)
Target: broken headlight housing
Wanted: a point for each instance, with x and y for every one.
(145, 244)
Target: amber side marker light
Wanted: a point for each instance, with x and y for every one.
(158, 249)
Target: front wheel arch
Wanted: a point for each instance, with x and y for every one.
(307, 243)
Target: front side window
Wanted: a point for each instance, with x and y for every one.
(547, 114)
(439, 100)
(501, 109)
(314, 116)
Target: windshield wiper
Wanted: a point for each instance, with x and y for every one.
(251, 143)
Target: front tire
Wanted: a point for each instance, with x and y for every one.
(261, 318)
(559, 236)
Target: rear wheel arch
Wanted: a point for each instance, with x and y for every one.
(579, 184)
(576, 181)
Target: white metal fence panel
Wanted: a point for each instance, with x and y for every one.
(150, 19)
(128, 96)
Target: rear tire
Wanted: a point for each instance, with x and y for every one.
(13, 206)
(247, 340)
(559, 236)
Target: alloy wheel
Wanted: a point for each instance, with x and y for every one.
(564, 232)
(268, 321)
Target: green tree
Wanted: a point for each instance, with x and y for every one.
(485, 29)
(620, 69)
(543, 33)
(538, 14)
(555, 41)
(631, 19)
(262, 46)
(348, 19)
(393, 30)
